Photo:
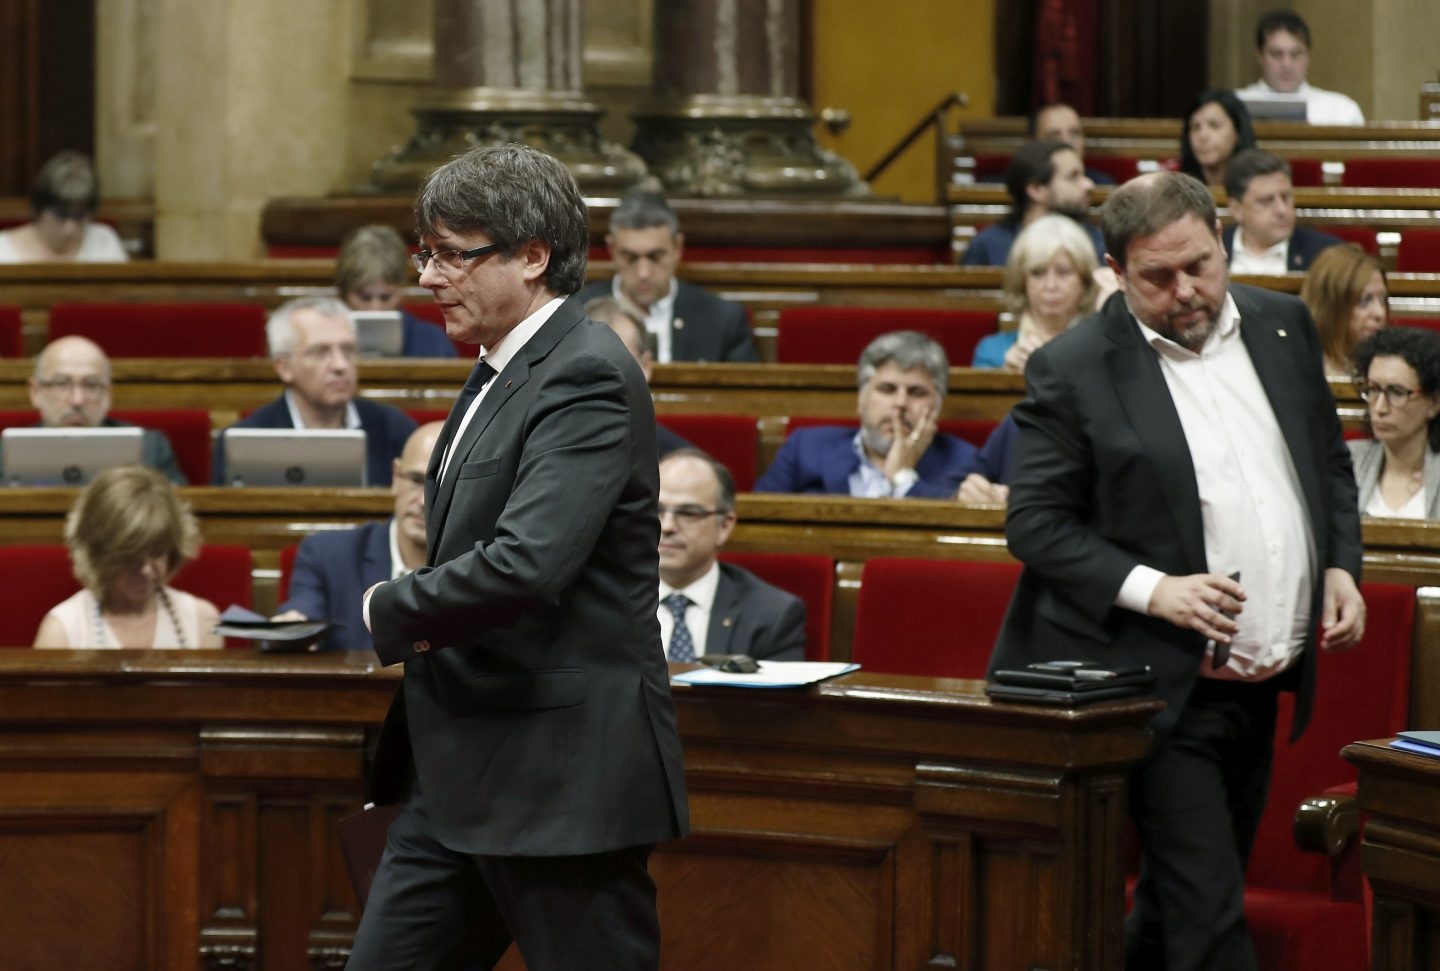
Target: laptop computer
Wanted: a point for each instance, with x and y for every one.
(295, 457)
(66, 456)
(1273, 107)
(378, 333)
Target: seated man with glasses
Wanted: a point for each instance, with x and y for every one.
(708, 607)
(334, 569)
(71, 389)
(313, 347)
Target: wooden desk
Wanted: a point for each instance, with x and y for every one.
(184, 803)
(1400, 854)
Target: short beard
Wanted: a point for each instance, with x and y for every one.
(875, 441)
(1192, 339)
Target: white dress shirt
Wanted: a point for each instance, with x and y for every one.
(352, 414)
(1414, 507)
(697, 614)
(1322, 107)
(657, 319)
(397, 562)
(1251, 505)
(1271, 262)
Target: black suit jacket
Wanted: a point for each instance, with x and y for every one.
(1103, 482)
(1304, 245)
(751, 617)
(704, 328)
(536, 694)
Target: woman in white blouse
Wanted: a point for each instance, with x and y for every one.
(62, 202)
(1398, 471)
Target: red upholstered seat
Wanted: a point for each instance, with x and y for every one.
(991, 168)
(165, 329)
(1362, 236)
(931, 617)
(973, 430)
(189, 433)
(12, 342)
(1121, 168)
(1300, 918)
(424, 416)
(809, 577)
(732, 440)
(220, 574)
(1419, 251)
(1427, 323)
(837, 335)
(287, 568)
(1306, 172)
(34, 578)
(1392, 173)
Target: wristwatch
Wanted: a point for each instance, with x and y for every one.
(901, 482)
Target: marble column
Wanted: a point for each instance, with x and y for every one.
(509, 70)
(728, 119)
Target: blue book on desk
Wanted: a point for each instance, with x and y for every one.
(1420, 743)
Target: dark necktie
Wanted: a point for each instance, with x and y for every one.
(682, 645)
(480, 376)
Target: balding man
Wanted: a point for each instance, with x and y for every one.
(333, 570)
(637, 341)
(71, 389)
(315, 353)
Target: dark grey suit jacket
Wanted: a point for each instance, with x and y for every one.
(539, 717)
(1300, 251)
(752, 617)
(705, 327)
(1103, 481)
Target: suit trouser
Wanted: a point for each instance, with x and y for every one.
(1197, 802)
(433, 908)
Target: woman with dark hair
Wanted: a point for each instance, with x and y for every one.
(62, 201)
(1398, 471)
(1346, 293)
(1216, 127)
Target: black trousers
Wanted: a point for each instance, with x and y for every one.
(1197, 802)
(433, 908)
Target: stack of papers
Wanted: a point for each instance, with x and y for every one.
(772, 674)
(1420, 743)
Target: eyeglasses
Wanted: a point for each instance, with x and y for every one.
(1396, 396)
(450, 261)
(88, 387)
(688, 515)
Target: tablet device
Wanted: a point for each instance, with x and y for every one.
(295, 457)
(66, 456)
(1058, 696)
(378, 333)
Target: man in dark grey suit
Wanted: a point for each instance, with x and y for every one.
(535, 717)
(1265, 239)
(688, 323)
(723, 609)
(71, 389)
(1181, 498)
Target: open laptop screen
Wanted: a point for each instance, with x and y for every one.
(66, 456)
(1274, 107)
(378, 333)
(295, 457)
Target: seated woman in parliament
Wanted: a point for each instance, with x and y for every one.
(371, 273)
(1398, 471)
(62, 201)
(128, 535)
(1049, 284)
(1346, 293)
(1216, 127)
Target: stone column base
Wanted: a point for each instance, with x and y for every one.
(566, 127)
(712, 145)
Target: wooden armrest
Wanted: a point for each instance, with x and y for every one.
(1326, 824)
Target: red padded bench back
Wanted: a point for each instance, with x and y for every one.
(12, 341)
(188, 430)
(1419, 251)
(935, 618)
(165, 329)
(809, 577)
(1391, 173)
(837, 335)
(732, 440)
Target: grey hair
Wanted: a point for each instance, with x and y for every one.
(514, 194)
(644, 209)
(1144, 206)
(909, 349)
(280, 326)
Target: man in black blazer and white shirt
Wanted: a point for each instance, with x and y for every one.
(688, 322)
(535, 717)
(1265, 239)
(725, 609)
(1181, 437)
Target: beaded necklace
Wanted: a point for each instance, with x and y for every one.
(164, 602)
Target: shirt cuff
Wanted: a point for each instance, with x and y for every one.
(903, 482)
(1138, 588)
(365, 607)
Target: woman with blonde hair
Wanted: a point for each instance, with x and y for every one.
(1049, 283)
(129, 534)
(372, 271)
(1346, 293)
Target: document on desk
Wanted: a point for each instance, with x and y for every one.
(772, 674)
(1418, 743)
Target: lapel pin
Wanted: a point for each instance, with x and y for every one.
(725, 622)
(679, 324)
(1282, 333)
(508, 383)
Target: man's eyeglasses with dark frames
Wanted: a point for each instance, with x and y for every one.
(450, 260)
